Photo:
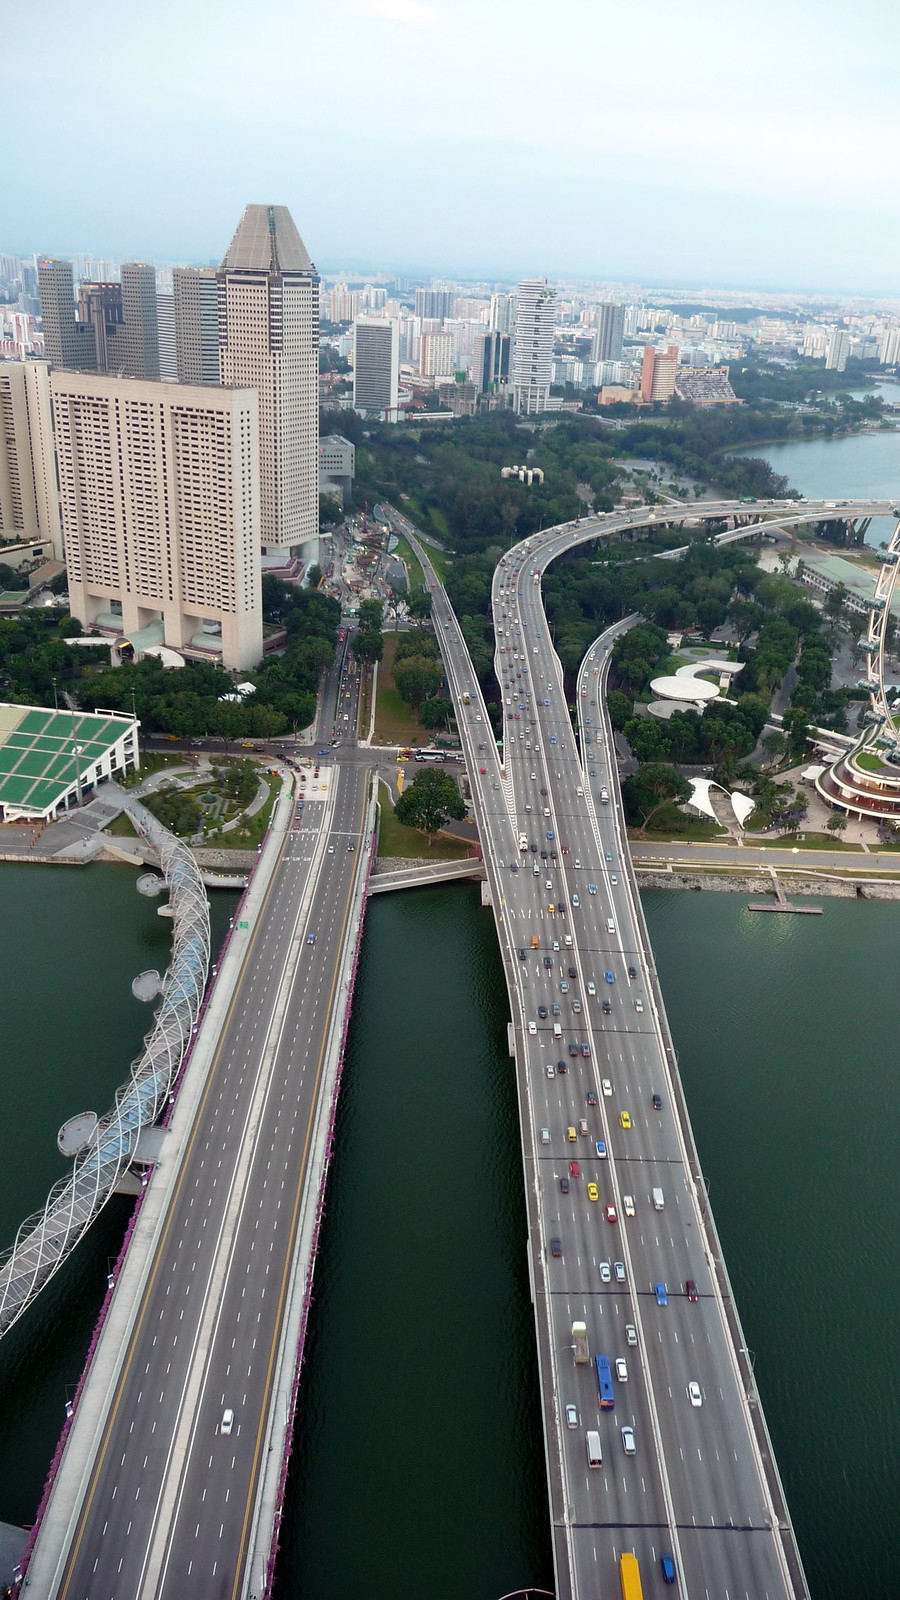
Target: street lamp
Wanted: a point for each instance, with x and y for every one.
(78, 749)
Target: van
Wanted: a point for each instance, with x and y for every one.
(567, 941)
(659, 1203)
(583, 1127)
(536, 870)
(557, 1030)
(571, 1135)
(594, 1452)
(610, 925)
(579, 790)
(545, 1136)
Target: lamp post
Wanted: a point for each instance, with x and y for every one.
(77, 748)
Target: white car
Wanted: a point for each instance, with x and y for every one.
(550, 1070)
(605, 1274)
(227, 1423)
(571, 1416)
(628, 1441)
(532, 1027)
(621, 1369)
(628, 1204)
(694, 1394)
(592, 988)
(577, 862)
(630, 1333)
(606, 1086)
(638, 1003)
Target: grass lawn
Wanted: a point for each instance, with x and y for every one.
(253, 830)
(394, 839)
(121, 827)
(395, 721)
(813, 841)
(153, 761)
(671, 825)
(869, 761)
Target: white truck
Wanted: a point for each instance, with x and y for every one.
(580, 1341)
(523, 841)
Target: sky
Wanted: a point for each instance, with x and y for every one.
(746, 143)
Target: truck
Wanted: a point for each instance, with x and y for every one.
(523, 841)
(604, 796)
(658, 1198)
(467, 699)
(580, 1341)
(630, 1577)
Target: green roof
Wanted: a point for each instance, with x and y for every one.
(38, 761)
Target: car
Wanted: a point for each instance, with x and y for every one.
(630, 1334)
(555, 1009)
(613, 878)
(667, 1567)
(331, 849)
(551, 836)
(571, 1416)
(310, 938)
(625, 1119)
(550, 1070)
(592, 987)
(556, 1247)
(601, 1149)
(548, 963)
(483, 771)
(564, 1185)
(593, 1193)
(619, 1270)
(575, 900)
(592, 888)
(628, 1440)
(576, 1007)
(564, 986)
(577, 862)
(585, 1049)
(513, 865)
(532, 1027)
(694, 1394)
(555, 945)
(610, 977)
(632, 972)
(611, 1214)
(628, 1203)
(662, 1294)
(621, 1369)
(522, 956)
(606, 1086)
(542, 1013)
(561, 1066)
(574, 1169)
(638, 1003)
(609, 855)
(605, 1273)
(590, 1098)
(607, 1007)
(572, 973)
(657, 1102)
(690, 1290)
(227, 1423)
(573, 1049)
(543, 855)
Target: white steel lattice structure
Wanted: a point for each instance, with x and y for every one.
(884, 715)
(46, 1238)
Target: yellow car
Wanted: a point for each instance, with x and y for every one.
(625, 1119)
(593, 1192)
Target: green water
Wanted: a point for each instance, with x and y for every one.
(418, 1465)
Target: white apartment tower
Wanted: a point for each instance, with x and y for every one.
(28, 503)
(838, 350)
(532, 355)
(269, 341)
(160, 509)
(376, 367)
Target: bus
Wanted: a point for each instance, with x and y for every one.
(604, 1383)
(431, 755)
(630, 1577)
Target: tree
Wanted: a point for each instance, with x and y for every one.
(435, 713)
(430, 801)
(620, 709)
(418, 679)
(651, 787)
(331, 511)
(835, 604)
(369, 644)
(836, 823)
(775, 745)
(371, 614)
(419, 604)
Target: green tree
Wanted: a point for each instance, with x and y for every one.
(836, 823)
(430, 801)
(331, 511)
(775, 745)
(654, 785)
(418, 679)
(620, 709)
(419, 604)
(371, 614)
(436, 713)
(369, 644)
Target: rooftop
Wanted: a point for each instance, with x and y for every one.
(38, 760)
(267, 240)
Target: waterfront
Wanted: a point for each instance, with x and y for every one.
(853, 466)
(418, 1466)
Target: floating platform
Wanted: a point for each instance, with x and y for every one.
(785, 905)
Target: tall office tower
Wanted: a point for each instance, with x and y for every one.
(532, 353)
(269, 340)
(659, 369)
(28, 503)
(493, 371)
(196, 298)
(67, 342)
(160, 508)
(503, 313)
(165, 317)
(437, 356)
(609, 333)
(100, 308)
(437, 303)
(376, 367)
(838, 350)
(137, 345)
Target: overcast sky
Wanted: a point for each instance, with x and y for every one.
(749, 142)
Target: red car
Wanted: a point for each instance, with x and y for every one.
(574, 1169)
(611, 1214)
(482, 770)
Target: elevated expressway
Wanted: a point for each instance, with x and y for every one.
(703, 1484)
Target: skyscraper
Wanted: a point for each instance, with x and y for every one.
(494, 363)
(609, 333)
(532, 354)
(100, 309)
(434, 303)
(838, 350)
(159, 499)
(376, 367)
(659, 369)
(137, 343)
(165, 317)
(503, 313)
(67, 342)
(196, 299)
(269, 341)
(28, 503)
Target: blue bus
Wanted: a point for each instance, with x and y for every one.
(604, 1383)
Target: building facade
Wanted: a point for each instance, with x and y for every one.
(337, 463)
(437, 355)
(838, 350)
(659, 371)
(160, 509)
(195, 293)
(29, 508)
(493, 367)
(165, 317)
(68, 342)
(269, 341)
(376, 367)
(532, 351)
(609, 333)
(137, 342)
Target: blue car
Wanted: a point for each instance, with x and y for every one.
(662, 1296)
(610, 977)
(553, 738)
(601, 1149)
(310, 938)
(546, 702)
(667, 1567)
(550, 836)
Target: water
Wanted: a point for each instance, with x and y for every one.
(857, 466)
(418, 1466)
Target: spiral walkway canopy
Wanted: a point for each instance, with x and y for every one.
(45, 1239)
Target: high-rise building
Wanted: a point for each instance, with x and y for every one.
(376, 367)
(493, 371)
(609, 333)
(532, 352)
(503, 313)
(160, 507)
(100, 309)
(269, 340)
(889, 347)
(659, 369)
(838, 350)
(165, 317)
(67, 342)
(137, 343)
(437, 303)
(29, 508)
(437, 355)
(196, 302)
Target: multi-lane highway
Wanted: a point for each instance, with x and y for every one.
(592, 1053)
(168, 1505)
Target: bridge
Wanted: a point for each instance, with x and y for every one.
(171, 1479)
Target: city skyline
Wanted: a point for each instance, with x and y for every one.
(750, 148)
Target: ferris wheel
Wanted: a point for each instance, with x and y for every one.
(883, 715)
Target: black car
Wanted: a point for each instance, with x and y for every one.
(514, 866)
(521, 955)
(543, 855)
(563, 1185)
(561, 905)
(573, 1049)
(534, 849)
(632, 973)
(542, 1013)
(562, 1066)
(607, 1007)
(556, 1247)
(548, 963)
(657, 1102)
(572, 973)
(543, 791)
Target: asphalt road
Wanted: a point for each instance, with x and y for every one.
(168, 1507)
(694, 1485)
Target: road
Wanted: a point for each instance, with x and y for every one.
(168, 1507)
(757, 857)
(695, 1487)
